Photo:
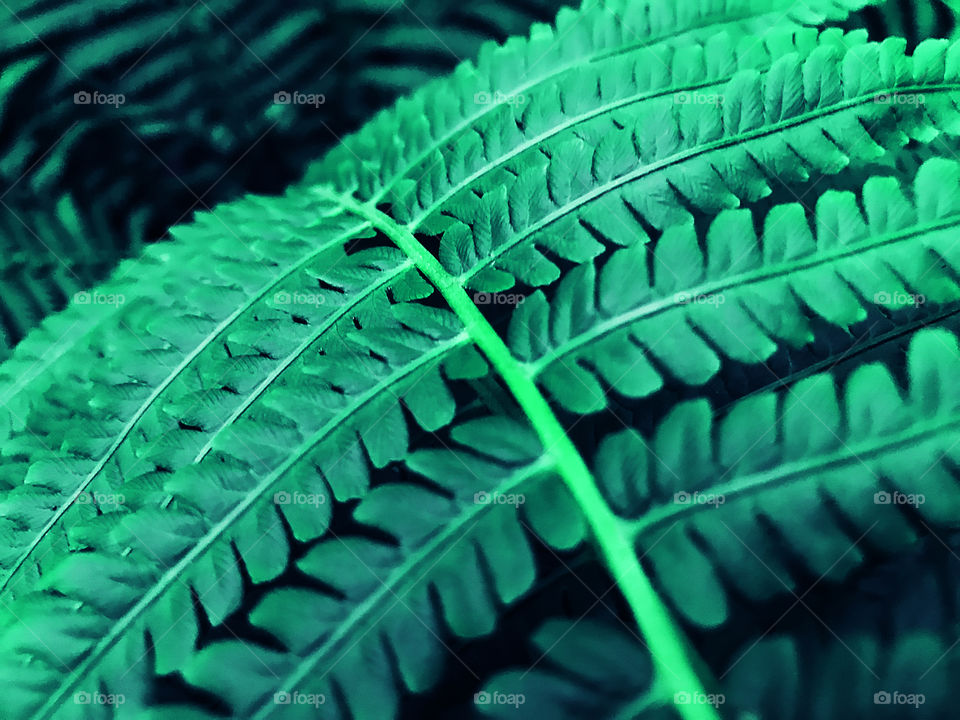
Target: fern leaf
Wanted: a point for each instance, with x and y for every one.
(889, 643)
(588, 668)
(324, 344)
(151, 397)
(443, 111)
(843, 460)
(741, 297)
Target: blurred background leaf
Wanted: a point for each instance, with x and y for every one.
(185, 116)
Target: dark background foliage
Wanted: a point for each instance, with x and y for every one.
(83, 185)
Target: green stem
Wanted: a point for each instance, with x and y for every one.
(672, 654)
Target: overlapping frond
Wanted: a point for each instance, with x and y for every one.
(732, 500)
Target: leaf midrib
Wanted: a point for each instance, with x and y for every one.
(674, 656)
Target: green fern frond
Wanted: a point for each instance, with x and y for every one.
(301, 388)
(144, 397)
(587, 668)
(726, 499)
(890, 648)
(374, 160)
(681, 308)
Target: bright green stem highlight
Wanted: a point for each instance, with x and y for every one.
(671, 651)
